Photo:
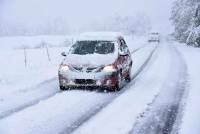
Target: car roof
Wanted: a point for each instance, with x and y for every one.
(103, 36)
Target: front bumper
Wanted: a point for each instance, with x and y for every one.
(83, 79)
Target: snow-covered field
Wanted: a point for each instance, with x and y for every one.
(15, 76)
(161, 98)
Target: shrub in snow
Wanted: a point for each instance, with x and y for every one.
(186, 19)
(194, 37)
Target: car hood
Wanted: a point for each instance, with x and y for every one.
(90, 60)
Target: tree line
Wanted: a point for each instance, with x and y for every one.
(136, 24)
(185, 16)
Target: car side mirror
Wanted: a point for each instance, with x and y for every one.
(63, 54)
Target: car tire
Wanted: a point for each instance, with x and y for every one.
(118, 85)
(128, 78)
(63, 88)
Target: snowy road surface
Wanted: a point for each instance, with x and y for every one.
(153, 102)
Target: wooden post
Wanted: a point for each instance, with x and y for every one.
(47, 51)
(25, 57)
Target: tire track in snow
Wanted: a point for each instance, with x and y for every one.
(164, 117)
(23, 103)
(71, 128)
(174, 117)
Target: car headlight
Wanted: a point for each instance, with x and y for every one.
(64, 68)
(109, 68)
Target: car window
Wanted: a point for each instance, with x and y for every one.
(91, 47)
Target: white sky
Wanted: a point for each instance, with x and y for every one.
(80, 12)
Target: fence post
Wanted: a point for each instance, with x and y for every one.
(25, 57)
(47, 51)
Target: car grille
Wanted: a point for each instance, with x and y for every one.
(88, 70)
(85, 81)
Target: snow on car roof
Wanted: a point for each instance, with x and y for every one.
(105, 36)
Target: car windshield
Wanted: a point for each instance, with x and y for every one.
(91, 47)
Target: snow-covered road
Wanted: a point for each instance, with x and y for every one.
(152, 102)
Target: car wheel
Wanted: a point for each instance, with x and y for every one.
(63, 88)
(118, 85)
(128, 77)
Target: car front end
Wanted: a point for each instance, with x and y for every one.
(90, 63)
(85, 76)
